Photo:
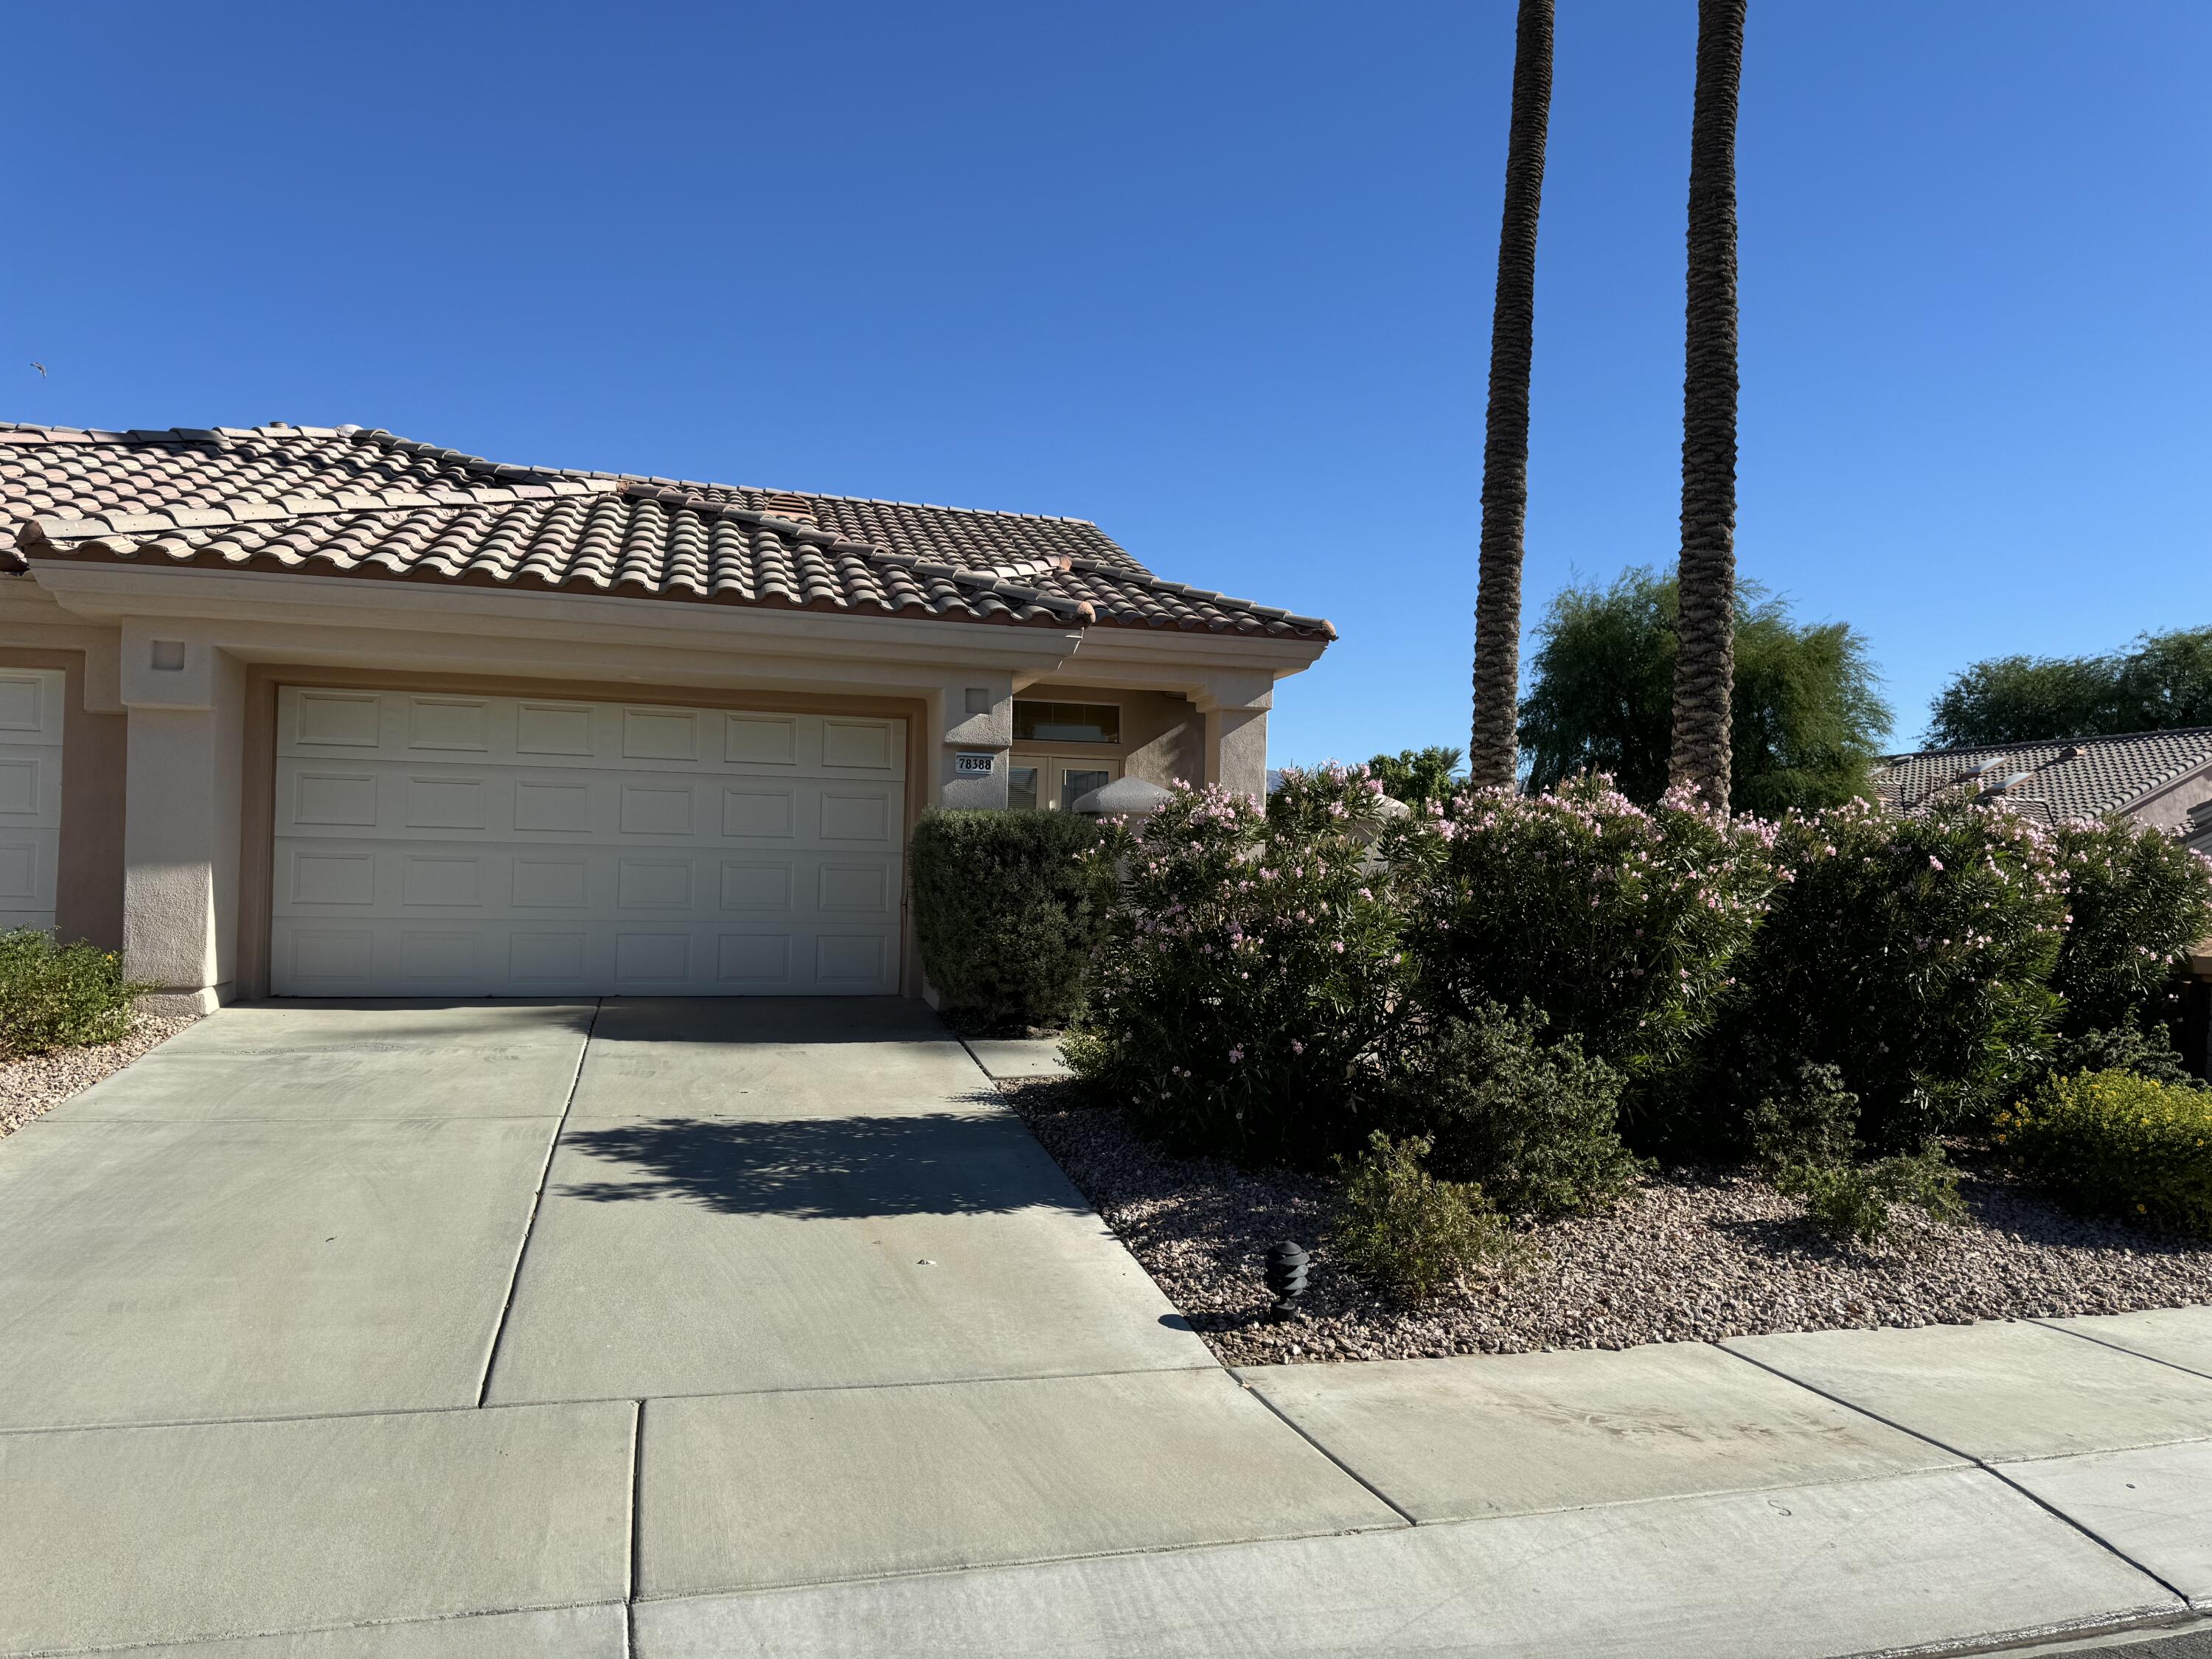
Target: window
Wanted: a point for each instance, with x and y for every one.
(1074, 785)
(1022, 788)
(1066, 722)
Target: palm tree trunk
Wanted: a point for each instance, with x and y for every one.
(1704, 666)
(1494, 752)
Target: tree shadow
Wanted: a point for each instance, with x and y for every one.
(914, 1163)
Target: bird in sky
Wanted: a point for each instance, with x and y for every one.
(41, 367)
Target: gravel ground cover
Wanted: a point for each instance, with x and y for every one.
(1696, 1255)
(33, 1085)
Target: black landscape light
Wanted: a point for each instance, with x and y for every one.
(1286, 1277)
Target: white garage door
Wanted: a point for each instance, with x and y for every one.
(529, 846)
(31, 713)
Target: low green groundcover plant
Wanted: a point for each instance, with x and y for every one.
(59, 996)
(1857, 1203)
(1804, 1135)
(1537, 1126)
(1006, 910)
(2117, 1143)
(1408, 1233)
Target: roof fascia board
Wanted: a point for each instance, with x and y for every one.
(1170, 655)
(114, 592)
(417, 651)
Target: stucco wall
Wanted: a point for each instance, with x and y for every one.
(1163, 736)
(2169, 810)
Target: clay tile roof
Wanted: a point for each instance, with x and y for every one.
(348, 501)
(2064, 778)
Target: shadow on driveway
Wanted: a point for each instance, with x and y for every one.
(914, 1164)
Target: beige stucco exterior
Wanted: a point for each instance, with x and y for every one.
(172, 673)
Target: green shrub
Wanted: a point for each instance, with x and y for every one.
(1803, 1137)
(1250, 972)
(1814, 1121)
(2117, 1143)
(1006, 912)
(1536, 1127)
(1407, 1233)
(1857, 1203)
(2146, 1051)
(2137, 899)
(1912, 954)
(1621, 925)
(60, 996)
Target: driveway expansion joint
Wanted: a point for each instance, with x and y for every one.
(1995, 1471)
(1381, 1497)
(536, 1201)
(2132, 1353)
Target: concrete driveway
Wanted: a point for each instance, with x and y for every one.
(329, 1319)
(678, 1327)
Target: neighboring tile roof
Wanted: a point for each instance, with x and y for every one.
(2080, 778)
(329, 501)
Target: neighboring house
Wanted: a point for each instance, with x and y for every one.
(305, 711)
(2163, 778)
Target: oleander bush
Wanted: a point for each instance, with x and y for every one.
(2137, 900)
(1408, 1233)
(1536, 1125)
(1913, 955)
(1622, 924)
(1531, 985)
(1006, 910)
(59, 996)
(1248, 976)
(2114, 1143)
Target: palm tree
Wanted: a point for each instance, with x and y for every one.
(1704, 667)
(1494, 751)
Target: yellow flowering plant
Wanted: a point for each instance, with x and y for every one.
(2114, 1143)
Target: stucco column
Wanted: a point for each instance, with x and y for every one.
(1236, 710)
(185, 704)
(975, 713)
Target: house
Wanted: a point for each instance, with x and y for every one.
(2163, 778)
(311, 711)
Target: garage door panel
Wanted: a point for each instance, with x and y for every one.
(329, 879)
(31, 709)
(593, 736)
(385, 957)
(400, 800)
(427, 845)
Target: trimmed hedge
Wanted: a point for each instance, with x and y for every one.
(2120, 1144)
(1007, 911)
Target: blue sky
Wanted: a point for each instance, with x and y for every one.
(1216, 277)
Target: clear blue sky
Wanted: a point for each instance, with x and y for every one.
(1217, 276)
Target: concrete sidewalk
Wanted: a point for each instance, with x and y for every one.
(666, 1329)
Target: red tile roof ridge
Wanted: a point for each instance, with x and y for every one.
(392, 440)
